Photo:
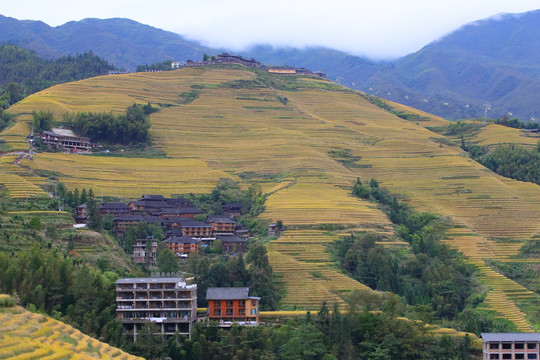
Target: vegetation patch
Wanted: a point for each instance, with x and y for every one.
(189, 96)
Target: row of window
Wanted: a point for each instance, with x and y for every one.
(509, 356)
(230, 312)
(508, 346)
(230, 303)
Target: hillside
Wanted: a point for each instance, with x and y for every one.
(27, 335)
(241, 127)
(492, 61)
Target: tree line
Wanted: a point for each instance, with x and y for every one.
(24, 72)
(327, 335)
(432, 279)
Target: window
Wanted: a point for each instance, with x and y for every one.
(253, 312)
(493, 346)
(217, 312)
(519, 346)
(253, 302)
(242, 303)
(507, 345)
(494, 356)
(229, 312)
(531, 356)
(242, 312)
(520, 356)
(229, 303)
(217, 303)
(507, 356)
(531, 345)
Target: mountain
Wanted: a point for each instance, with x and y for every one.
(122, 42)
(492, 61)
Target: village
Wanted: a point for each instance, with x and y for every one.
(225, 58)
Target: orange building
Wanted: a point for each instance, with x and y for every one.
(232, 305)
(182, 245)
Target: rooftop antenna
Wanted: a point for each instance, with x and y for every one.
(486, 108)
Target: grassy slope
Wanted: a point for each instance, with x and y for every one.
(242, 131)
(24, 335)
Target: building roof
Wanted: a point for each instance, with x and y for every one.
(488, 337)
(153, 197)
(232, 205)
(231, 239)
(145, 280)
(128, 218)
(230, 293)
(220, 219)
(181, 240)
(189, 222)
(181, 210)
(114, 206)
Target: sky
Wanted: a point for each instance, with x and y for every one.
(377, 29)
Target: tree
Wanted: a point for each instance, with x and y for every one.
(35, 223)
(42, 120)
(148, 344)
(166, 260)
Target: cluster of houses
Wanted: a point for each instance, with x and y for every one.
(226, 58)
(171, 303)
(183, 234)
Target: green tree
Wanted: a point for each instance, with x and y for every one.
(35, 223)
(166, 260)
(42, 120)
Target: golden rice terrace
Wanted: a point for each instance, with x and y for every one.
(245, 129)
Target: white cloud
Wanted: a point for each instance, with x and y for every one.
(380, 29)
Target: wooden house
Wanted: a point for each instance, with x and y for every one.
(232, 305)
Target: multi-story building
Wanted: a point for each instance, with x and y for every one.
(145, 251)
(166, 301)
(511, 346)
(232, 305)
(181, 246)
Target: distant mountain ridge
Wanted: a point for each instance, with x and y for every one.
(489, 62)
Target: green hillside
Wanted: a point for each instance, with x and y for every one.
(305, 141)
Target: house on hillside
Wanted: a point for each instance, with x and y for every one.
(233, 244)
(114, 209)
(233, 210)
(145, 251)
(168, 302)
(182, 246)
(232, 305)
(81, 216)
(510, 346)
(65, 139)
(222, 224)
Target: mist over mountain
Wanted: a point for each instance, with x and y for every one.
(489, 62)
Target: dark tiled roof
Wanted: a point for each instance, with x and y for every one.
(220, 219)
(114, 206)
(231, 239)
(232, 206)
(231, 293)
(488, 337)
(181, 240)
(153, 219)
(153, 197)
(182, 210)
(188, 222)
(129, 218)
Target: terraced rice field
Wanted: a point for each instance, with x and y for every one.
(246, 133)
(18, 182)
(25, 336)
(493, 134)
(309, 274)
